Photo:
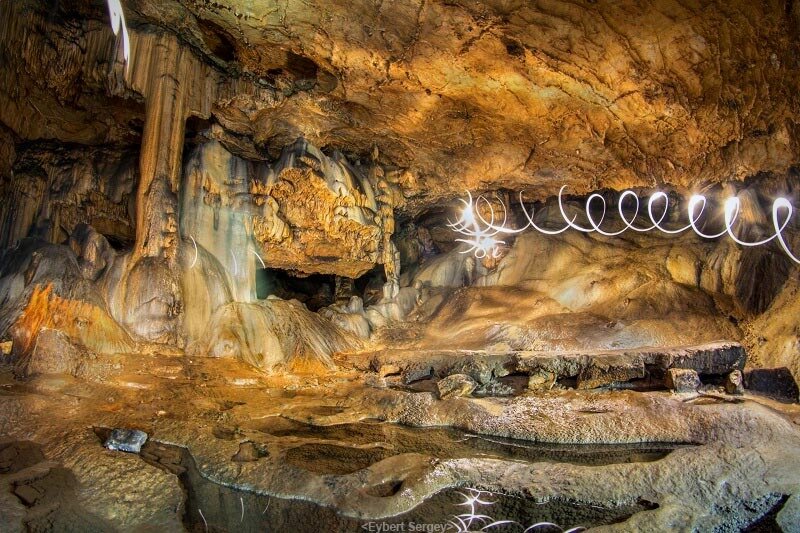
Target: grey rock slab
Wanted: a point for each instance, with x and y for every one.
(126, 440)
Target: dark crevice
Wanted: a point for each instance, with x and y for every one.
(218, 41)
(768, 522)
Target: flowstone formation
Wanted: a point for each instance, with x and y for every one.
(233, 262)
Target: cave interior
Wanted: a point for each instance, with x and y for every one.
(419, 265)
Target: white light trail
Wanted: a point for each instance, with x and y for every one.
(117, 24)
(259, 258)
(480, 234)
(196, 252)
(463, 523)
(235, 264)
(204, 518)
(481, 241)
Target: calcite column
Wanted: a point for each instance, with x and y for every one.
(149, 297)
(162, 146)
(390, 257)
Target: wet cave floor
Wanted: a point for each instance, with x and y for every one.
(231, 449)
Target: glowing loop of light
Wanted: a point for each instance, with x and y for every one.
(471, 519)
(117, 24)
(480, 234)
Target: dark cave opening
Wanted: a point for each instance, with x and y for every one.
(315, 291)
(319, 290)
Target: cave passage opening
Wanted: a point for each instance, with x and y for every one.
(315, 290)
(318, 290)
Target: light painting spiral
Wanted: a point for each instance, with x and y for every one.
(481, 235)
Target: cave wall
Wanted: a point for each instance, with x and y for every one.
(55, 187)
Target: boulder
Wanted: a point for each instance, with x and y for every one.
(455, 385)
(53, 353)
(682, 380)
(788, 517)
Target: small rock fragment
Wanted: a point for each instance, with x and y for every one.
(247, 452)
(126, 440)
(173, 469)
(734, 383)
(683, 380)
(455, 385)
(28, 494)
(541, 380)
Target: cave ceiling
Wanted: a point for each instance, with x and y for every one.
(480, 95)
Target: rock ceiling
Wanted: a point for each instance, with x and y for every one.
(494, 94)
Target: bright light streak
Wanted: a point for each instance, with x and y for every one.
(463, 523)
(235, 264)
(196, 253)
(204, 518)
(481, 234)
(259, 258)
(117, 24)
(482, 242)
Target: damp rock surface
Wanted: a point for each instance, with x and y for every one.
(326, 449)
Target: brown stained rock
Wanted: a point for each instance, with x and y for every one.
(67, 56)
(529, 88)
(416, 372)
(16, 456)
(682, 380)
(83, 322)
(76, 185)
(272, 333)
(734, 382)
(54, 353)
(387, 370)
(455, 385)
